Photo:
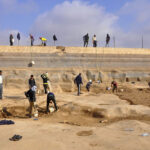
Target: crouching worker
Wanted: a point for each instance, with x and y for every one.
(31, 95)
(50, 99)
(114, 86)
(88, 85)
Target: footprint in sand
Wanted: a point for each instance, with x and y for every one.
(85, 133)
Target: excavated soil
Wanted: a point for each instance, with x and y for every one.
(73, 113)
(98, 120)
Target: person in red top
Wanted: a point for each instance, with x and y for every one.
(32, 39)
(114, 86)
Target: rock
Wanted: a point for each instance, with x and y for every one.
(67, 78)
(55, 77)
(89, 75)
(62, 48)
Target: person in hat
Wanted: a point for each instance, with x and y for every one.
(88, 85)
(31, 94)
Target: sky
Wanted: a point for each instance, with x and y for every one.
(127, 21)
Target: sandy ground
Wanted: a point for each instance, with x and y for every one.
(41, 134)
(79, 122)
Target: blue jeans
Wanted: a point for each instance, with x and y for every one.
(79, 88)
(1, 91)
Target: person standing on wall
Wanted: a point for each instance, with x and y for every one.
(54, 38)
(11, 40)
(32, 39)
(78, 81)
(94, 41)
(107, 40)
(1, 85)
(43, 40)
(18, 37)
(86, 40)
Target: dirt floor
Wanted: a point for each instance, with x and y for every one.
(137, 96)
(98, 120)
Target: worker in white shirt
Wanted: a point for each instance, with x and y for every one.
(1, 85)
(94, 41)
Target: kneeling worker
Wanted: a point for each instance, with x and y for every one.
(51, 98)
(88, 85)
(114, 86)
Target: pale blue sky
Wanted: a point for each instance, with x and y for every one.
(127, 20)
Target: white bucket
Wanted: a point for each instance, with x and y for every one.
(52, 109)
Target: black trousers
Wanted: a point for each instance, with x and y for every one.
(45, 88)
(1, 91)
(11, 43)
(107, 44)
(49, 99)
(95, 44)
(86, 43)
(114, 88)
(88, 88)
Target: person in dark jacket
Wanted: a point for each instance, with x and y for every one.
(51, 98)
(11, 40)
(31, 95)
(86, 40)
(32, 82)
(54, 38)
(45, 82)
(107, 40)
(78, 81)
(88, 85)
(114, 86)
(18, 37)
